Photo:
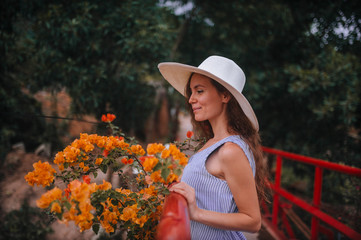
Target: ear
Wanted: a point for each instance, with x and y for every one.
(226, 97)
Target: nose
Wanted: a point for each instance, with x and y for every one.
(191, 99)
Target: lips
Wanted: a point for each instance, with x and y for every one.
(196, 109)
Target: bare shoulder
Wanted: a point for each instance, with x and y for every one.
(230, 152)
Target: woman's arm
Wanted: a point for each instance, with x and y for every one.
(238, 174)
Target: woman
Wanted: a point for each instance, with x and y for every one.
(223, 182)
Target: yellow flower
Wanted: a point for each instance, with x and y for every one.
(150, 163)
(47, 198)
(43, 174)
(155, 148)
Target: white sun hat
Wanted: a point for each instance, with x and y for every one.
(220, 69)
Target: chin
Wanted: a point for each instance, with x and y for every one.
(199, 119)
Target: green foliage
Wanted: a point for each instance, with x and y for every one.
(317, 108)
(17, 123)
(100, 52)
(27, 223)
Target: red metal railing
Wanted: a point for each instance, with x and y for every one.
(280, 209)
(174, 223)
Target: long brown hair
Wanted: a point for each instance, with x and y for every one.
(238, 123)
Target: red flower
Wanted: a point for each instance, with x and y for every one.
(124, 160)
(86, 179)
(108, 118)
(119, 138)
(67, 192)
(189, 134)
(105, 153)
(127, 161)
(104, 118)
(143, 158)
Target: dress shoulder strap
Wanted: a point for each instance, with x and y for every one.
(240, 142)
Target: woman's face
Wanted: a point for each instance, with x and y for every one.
(207, 103)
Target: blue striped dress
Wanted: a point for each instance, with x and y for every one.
(213, 193)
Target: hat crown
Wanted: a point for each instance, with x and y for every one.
(225, 69)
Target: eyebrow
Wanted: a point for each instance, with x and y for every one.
(198, 85)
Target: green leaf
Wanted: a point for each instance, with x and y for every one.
(95, 174)
(67, 205)
(166, 191)
(104, 168)
(95, 228)
(177, 171)
(165, 173)
(157, 167)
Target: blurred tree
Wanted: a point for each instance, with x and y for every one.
(17, 107)
(100, 52)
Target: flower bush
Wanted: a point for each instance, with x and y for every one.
(134, 208)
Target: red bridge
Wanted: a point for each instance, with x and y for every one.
(281, 221)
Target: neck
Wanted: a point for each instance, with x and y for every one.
(220, 127)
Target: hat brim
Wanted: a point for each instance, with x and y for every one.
(178, 74)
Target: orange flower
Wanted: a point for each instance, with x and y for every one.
(137, 150)
(140, 221)
(150, 163)
(156, 177)
(104, 186)
(108, 118)
(172, 177)
(189, 134)
(155, 148)
(55, 207)
(98, 161)
(47, 198)
(43, 174)
(129, 213)
(165, 153)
